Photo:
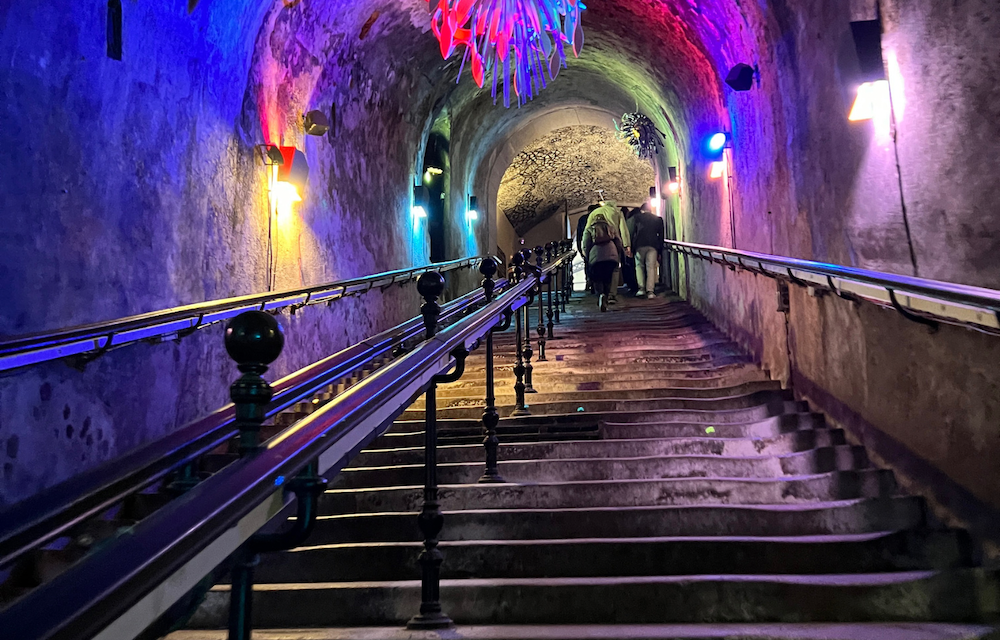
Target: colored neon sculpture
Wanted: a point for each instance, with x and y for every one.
(520, 40)
(640, 133)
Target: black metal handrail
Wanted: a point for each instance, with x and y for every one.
(31, 523)
(892, 285)
(107, 593)
(26, 350)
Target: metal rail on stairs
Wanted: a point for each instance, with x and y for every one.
(121, 588)
(918, 299)
(86, 342)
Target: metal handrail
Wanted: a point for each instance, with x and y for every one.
(26, 350)
(119, 589)
(949, 302)
(37, 520)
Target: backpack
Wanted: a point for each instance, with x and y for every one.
(603, 233)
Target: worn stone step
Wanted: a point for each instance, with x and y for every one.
(601, 412)
(856, 553)
(966, 595)
(598, 370)
(585, 396)
(568, 381)
(719, 631)
(755, 404)
(835, 485)
(820, 518)
(656, 391)
(609, 468)
(587, 426)
(791, 442)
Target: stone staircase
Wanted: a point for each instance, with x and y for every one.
(663, 487)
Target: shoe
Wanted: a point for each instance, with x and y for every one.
(650, 296)
(640, 294)
(602, 302)
(613, 299)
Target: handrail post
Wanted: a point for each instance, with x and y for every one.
(557, 279)
(567, 277)
(519, 409)
(254, 340)
(430, 285)
(539, 252)
(526, 310)
(549, 250)
(488, 267)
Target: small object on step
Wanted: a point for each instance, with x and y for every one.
(579, 408)
(710, 430)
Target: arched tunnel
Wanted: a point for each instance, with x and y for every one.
(139, 176)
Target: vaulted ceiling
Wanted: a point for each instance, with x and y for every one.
(565, 168)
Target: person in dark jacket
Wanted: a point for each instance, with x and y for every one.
(628, 262)
(647, 241)
(602, 246)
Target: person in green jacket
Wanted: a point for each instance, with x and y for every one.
(611, 213)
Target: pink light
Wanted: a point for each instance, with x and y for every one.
(674, 187)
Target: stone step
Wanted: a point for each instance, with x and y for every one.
(967, 595)
(626, 379)
(746, 631)
(820, 518)
(608, 468)
(791, 442)
(834, 485)
(634, 412)
(857, 553)
(587, 426)
(548, 393)
(755, 404)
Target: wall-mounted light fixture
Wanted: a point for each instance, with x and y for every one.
(315, 123)
(654, 200)
(873, 101)
(673, 185)
(288, 178)
(714, 150)
(472, 212)
(421, 202)
(741, 77)
(430, 172)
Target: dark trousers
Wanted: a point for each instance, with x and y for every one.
(600, 275)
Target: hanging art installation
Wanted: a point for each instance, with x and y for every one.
(518, 42)
(640, 133)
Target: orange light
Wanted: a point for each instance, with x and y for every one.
(717, 170)
(873, 103)
(284, 195)
(674, 187)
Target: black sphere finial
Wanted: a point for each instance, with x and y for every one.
(488, 266)
(517, 259)
(430, 285)
(539, 251)
(526, 254)
(254, 337)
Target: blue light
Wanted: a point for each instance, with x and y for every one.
(280, 480)
(714, 146)
(717, 142)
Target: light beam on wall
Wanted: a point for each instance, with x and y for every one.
(418, 209)
(472, 213)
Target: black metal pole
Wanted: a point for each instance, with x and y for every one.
(520, 409)
(539, 252)
(254, 340)
(431, 521)
(488, 267)
(557, 275)
(526, 310)
(549, 314)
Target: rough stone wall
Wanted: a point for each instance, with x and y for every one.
(810, 184)
(137, 189)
